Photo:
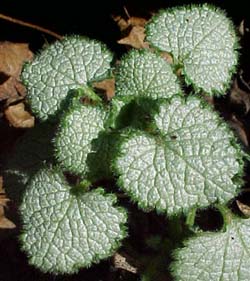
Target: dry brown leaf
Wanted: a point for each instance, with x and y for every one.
(136, 21)
(240, 129)
(4, 222)
(245, 209)
(240, 97)
(135, 38)
(121, 262)
(18, 117)
(134, 28)
(12, 57)
(107, 86)
(121, 22)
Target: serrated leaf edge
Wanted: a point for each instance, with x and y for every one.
(97, 258)
(75, 106)
(175, 254)
(236, 46)
(128, 133)
(157, 53)
(108, 74)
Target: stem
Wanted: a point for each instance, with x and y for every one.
(84, 185)
(191, 217)
(226, 214)
(88, 92)
(81, 188)
(30, 25)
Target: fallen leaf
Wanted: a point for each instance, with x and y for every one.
(136, 21)
(135, 38)
(12, 58)
(4, 222)
(121, 262)
(121, 22)
(245, 209)
(107, 86)
(18, 117)
(133, 30)
(240, 129)
(239, 96)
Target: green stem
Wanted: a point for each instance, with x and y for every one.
(81, 188)
(84, 185)
(226, 214)
(88, 92)
(191, 217)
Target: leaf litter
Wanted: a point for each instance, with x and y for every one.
(12, 58)
(133, 31)
(18, 117)
(5, 223)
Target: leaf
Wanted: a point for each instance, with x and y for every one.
(202, 41)
(240, 129)
(65, 65)
(133, 31)
(107, 86)
(65, 230)
(244, 208)
(77, 129)
(12, 57)
(135, 38)
(239, 96)
(145, 74)
(215, 256)
(129, 22)
(193, 161)
(4, 222)
(18, 117)
(122, 263)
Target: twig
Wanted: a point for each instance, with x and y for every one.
(30, 25)
(126, 12)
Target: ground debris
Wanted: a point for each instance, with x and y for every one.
(245, 209)
(107, 87)
(240, 96)
(121, 262)
(18, 117)
(133, 31)
(12, 58)
(4, 222)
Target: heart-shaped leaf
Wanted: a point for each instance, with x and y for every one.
(193, 161)
(144, 74)
(202, 41)
(66, 229)
(215, 256)
(77, 129)
(65, 65)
